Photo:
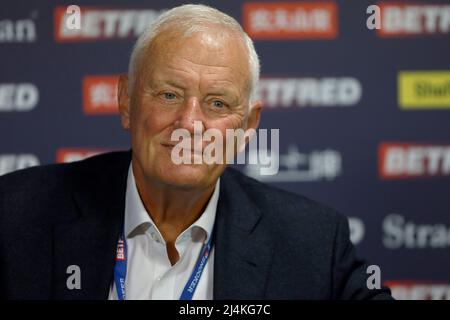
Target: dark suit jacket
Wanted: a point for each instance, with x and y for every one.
(270, 244)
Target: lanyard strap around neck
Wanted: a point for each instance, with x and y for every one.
(120, 269)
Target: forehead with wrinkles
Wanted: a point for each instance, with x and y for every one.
(212, 52)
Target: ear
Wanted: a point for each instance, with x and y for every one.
(254, 115)
(124, 101)
(252, 123)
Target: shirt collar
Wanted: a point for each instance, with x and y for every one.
(136, 215)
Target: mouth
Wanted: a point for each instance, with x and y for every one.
(190, 151)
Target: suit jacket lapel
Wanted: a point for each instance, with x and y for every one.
(243, 251)
(89, 242)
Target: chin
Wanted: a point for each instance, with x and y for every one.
(187, 176)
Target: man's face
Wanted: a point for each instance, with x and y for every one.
(202, 78)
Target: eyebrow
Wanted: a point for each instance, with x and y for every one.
(170, 83)
(222, 90)
(215, 90)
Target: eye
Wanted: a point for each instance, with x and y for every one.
(168, 95)
(218, 104)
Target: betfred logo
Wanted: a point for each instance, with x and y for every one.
(290, 20)
(103, 23)
(100, 95)
(309, 92)
(18, 97)
(408, 160)
(419, 290)
(401, 19)
(76, 154)
(120, 255)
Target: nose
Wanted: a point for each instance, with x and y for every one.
(189, 115)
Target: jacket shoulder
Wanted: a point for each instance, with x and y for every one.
(52, 175)
(32, 194)
(283, 203)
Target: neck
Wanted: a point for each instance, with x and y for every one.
(172, 210)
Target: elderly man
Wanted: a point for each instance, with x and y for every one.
(137, 225)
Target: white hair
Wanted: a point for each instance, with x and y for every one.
(191, 19)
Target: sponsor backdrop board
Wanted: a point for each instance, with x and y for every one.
(363, 113)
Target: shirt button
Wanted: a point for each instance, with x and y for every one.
(154, 237)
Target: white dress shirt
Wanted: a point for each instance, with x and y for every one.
(150, 274)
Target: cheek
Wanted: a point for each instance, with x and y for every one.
(142, 124)
(231, 122)
(147, 120)
(234, 121)
(150, 123)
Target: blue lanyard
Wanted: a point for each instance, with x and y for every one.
(120, 269)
